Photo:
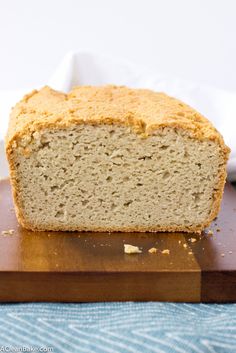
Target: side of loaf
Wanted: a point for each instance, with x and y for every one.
(112, 158)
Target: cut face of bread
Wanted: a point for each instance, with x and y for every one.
(108, 177)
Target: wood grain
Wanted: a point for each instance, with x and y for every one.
(77, 266)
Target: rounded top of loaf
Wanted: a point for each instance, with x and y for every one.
(143, 110)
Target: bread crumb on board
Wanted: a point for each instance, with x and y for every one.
(152, 250)
(185, 246)
(131, 249)
(8, 232)
(166, 252)
(210, 232)
(193, 240)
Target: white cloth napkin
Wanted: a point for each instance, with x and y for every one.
(80, 68)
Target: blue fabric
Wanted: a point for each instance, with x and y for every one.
(120, 327)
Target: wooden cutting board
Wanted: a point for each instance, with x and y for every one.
(85, 267)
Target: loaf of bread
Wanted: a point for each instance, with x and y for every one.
(113, 159)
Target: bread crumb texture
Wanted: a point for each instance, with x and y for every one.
(152, 250)
(7, 232)
(113, 159)
(193, 240)
(131, 249)
(166, 252)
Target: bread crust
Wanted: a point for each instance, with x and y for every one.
(142, 110)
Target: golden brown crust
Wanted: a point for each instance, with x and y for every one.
(144, 111)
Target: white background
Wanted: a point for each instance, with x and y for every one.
(191, 39)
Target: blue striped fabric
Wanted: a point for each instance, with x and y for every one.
(120, 327)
